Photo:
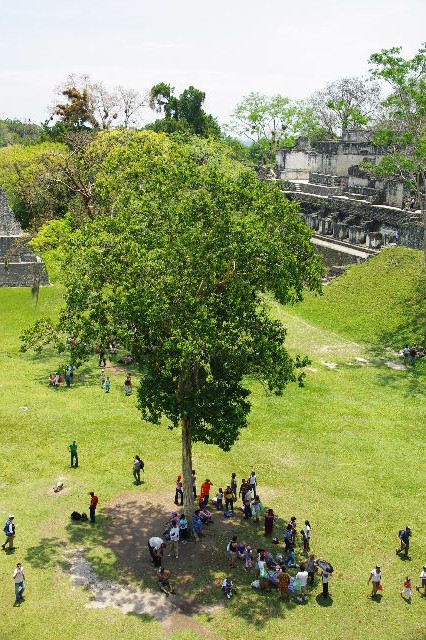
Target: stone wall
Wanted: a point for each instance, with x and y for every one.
(19, 266)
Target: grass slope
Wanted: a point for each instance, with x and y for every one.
(346, 452)
(381, 302)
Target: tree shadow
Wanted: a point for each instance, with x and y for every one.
(47, 553)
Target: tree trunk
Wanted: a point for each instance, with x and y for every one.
(188, 498)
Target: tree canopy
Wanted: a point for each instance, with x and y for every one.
(270, 123)
(346, 103)
(402, 131)
(176, 270)
(184, 113)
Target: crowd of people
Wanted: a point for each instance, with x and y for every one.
(291, 576)
(413, 353)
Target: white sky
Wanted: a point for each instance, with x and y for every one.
(226, 48)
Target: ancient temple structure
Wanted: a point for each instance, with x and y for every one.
(341, 200)
(19, 266)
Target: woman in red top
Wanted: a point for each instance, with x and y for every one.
(93, 505)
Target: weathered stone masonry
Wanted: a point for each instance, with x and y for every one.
(19, 266)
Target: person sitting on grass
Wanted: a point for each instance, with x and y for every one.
(289, 562)
(227, 587)
(206, 515)
(241, 549)
(283, 580)
(163, 577)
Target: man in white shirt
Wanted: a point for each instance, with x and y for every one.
(18, 578)
(156, 547)
(302, 575)
(376, 579)
(253, 483)
(174, 539)
(423, 579)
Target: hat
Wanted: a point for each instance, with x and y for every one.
(377, 566)
(173, 513)
(179, 477)
(278, 568)
(248, 548)
(11, 516)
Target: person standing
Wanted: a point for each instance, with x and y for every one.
(302, 576)
(194, 483)
(197, 525)
(74, 455)
(18, 578)
(253, 483)
(156, 546)
(310, 566)
(219, 500)
(128, 385)
(9, 530)
(229, 499)
(375, 579)
(325, 577)
(68, 375)
(137, 466)
(283, 581)
(243, 490)
(93, 504)
(269, 522)
(307, 537)
(423, 579)
(174, 538)
(205, 491)
(404, 538)
(103, 379)
(234, 485)
(406, 592)
(107, 384)
(179, 492)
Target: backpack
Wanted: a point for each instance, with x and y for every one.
(75, 515)
(142, 465)
(84, 517)
(6, 528)
(228, 547)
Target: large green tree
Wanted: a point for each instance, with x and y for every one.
(403, 129)
(178, 273)
(269, 123)
(183, 113)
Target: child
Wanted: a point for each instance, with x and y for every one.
(102, 378)
(227, 587)
(248, 558)
(183, 528)
(241, 550)
(219, 499)
(107, 384)
(406, 592)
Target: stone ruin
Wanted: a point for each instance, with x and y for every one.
(19, 266)
(342, 201)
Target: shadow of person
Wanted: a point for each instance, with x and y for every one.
(324, 602)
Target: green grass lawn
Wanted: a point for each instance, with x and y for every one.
(346, 452)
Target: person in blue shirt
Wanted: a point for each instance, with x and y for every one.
(197, 524)
(404, 537)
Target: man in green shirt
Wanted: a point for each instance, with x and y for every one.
(74, 456)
